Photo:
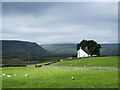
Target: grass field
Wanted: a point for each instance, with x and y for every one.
(58, 78)
(43, 63)
(33, 61)
(91, 62)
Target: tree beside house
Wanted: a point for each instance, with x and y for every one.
(88, 48)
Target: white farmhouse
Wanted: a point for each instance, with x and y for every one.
(83, 53)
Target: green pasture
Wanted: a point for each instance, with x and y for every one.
(12, 61)
(91, 62)
(58, 78)
(42, 63)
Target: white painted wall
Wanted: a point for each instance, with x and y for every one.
(81, 53)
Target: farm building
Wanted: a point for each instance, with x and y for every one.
(83, 53)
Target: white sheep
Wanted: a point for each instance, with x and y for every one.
(72, 64)
(14, 74)
(72, 78)
(3, 74)
(26, 75)
(8, 76)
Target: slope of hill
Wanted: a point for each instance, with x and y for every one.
(61, 48)
(107, 49)
(21, 46)
(21, 49)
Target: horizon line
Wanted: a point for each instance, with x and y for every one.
(56, 43)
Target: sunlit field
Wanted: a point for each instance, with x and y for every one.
(58, 78)
(91, 62)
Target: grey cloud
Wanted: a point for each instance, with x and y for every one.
(60, 22)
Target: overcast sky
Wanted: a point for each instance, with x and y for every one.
(62, 22)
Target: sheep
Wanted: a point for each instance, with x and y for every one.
(26, 75)
(72, 78)
(72, 64)
(14, 74)
(3, 74)
(8, 76)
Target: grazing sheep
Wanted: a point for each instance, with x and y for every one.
(8, 76)
(14, 74)
(72, 78)
(26, 75)
(3, 74)
(72, 64)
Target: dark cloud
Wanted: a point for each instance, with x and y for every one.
(60, 22)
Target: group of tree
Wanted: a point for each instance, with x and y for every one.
(92, 46)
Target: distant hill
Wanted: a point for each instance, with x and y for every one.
(21, 49)
(61, 48)
(70, 49)
(19, 52)
(109, 49)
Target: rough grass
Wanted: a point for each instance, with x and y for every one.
(58, 78)
(91, 62)
(12, 61)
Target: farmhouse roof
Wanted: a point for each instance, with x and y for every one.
(86, 50)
